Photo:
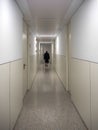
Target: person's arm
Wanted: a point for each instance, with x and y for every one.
(44, 56)
(49, 56)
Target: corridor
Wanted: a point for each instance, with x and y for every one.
(63, 96)
(47, 106)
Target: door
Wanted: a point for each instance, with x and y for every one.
(25, 60)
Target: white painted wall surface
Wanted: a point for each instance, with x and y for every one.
(11, 70)
(83, 51)
(61, 61)
(11, 27)
(84, 29)
(32, 58)
(61, 42)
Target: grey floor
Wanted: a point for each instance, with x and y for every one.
(48, 106)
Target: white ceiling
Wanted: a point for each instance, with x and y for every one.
(47, 17)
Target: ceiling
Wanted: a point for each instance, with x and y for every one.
(47, 17)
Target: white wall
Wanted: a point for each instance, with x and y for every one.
(11, 63)
(61, 43)
(83, 60)
(32, 58)
(84, 29)
(61, 62)
(11, 27)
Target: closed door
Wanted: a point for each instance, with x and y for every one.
(25, 61)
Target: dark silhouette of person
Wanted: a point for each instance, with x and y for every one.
(46, 58)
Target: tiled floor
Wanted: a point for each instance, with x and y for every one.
(48, 107)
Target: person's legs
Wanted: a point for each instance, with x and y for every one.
(45, 63)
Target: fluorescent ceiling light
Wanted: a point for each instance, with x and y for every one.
(46, 36)
(45, 42)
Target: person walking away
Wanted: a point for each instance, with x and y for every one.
(46, 58)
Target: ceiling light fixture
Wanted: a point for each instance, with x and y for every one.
(50, 36)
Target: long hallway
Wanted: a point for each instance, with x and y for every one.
(47, 106)
(33, 98)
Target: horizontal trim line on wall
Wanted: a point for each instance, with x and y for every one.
(33, 55)
(85, 60)
(60, 55)
(11, 61)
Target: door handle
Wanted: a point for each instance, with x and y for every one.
(24, 66)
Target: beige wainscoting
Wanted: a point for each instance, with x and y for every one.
(94, 96)
(80, 88)
(11, 93)
(16, 90)
(84, 90)
(60, 65)
(32, 69)
(4, 97)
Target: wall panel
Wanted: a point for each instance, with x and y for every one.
(32, 58)
(32, 69)
(61, 42)
(80, 88)
(16, 90)
(4, 97)
(61, 68)
(11, 27)
(61, 60)
(94, 95)
(84, 31)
